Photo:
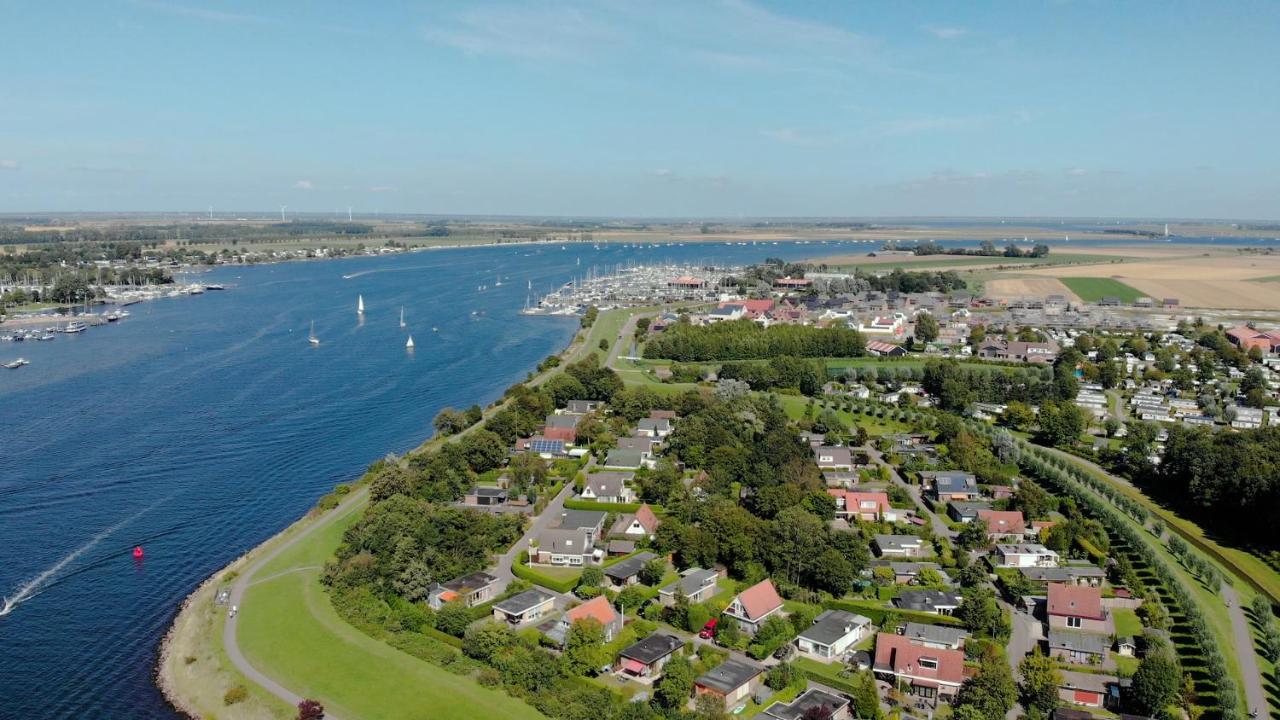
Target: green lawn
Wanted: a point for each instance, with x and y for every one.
(1094, 289)
(289, 630)
(1127, 623)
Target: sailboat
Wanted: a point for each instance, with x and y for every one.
(359, 304)
(498, 282)
(314, 340)
(409, 345)
(401, 316)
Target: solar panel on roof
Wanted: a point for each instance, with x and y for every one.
(547, 446)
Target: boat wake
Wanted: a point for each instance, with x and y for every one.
(35, 585)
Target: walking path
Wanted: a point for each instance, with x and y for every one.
(353, 503)
(1242, 643)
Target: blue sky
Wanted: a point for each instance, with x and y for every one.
(654, 108)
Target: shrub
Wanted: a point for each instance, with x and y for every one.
(237, 693)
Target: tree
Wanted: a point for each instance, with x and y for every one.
(973, 535)
(484, 640)
(979, 611)
(592, 576)
(926, 327)
(1031, 499)
(676, 684)
(1061, 423)
(1017, 415)
(484, 450)
(584, 650)
(651, 573)
(1155, 683)
(709, 707)
(453, 618)
(992, 690)
(1040, 682)
(310, 710)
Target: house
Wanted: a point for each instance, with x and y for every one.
(618, 548)
(1075, 607)
(627, 459)
(868, 506)
(930, 601)
(1003, 524)
(582, 407)
(645, 659)
(1086, 689)
(949, 485)
(597, 608)
(900, 545)
(474, 589)
(1247, 338)
(608, 487)
(884, 349)
(1068, 574)
(481, 496)
(813, 704)
(627, 572)
(589, 521)
(932, 674)
(754, 605)
(643, 444)
(733, 681)
(832, 634)
(563, 547)
(831, 457)
(653, 427)
(671, 415)
(642, 523)
(545, 447)
(698, 585)
(1077, 647)
(934, 636)
(1024, 555)
(965, 512)
(524, 608)
(1018, 351)
(905, 573)
(566, 435)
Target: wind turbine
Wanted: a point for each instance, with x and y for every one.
(282, 207)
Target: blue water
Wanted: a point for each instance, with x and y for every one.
(201, 426)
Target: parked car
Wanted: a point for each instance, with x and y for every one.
(784, 652)
(709, 630)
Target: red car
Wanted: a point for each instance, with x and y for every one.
(709, 630)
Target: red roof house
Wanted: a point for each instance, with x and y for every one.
(869, 506)
(1002, 524)
(752, 606)
(925, 671)
(1077, 607)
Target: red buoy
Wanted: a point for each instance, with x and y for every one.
(137, 551)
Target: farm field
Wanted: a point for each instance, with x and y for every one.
(1093, 289)
(1011, 288)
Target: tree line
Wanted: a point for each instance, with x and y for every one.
(747, 340)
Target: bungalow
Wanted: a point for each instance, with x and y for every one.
(949, 485)
(754, 605)
(1024, 555)
(733, 681)
(563, 547)
(832, 633)
(643, 444)
(608, 487)
(1077, 647)
(597, 608)
(582, 407)
(589, 521)
(474, 589)
(905, 573)
(1003, 524)
(481, 496)
(645, 659)
(566, 435)
(813, 439)
(1086, 689)
(965, 512)
(640, 524)
(526, 607)
(868, 506)
(697, 584)
(831, 457)
(900, 545)
(653, 427)
(933, 674)
(1018, 351)
(1074, 607)
(934, 636)
(930, 601)
(814, 704)
(627, 459)
(1068, 574)
(562, 421)
(627, 572)
(545, 447)
(670, 415)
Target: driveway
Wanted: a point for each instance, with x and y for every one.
(502, 570)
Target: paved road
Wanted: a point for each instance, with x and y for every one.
(353, 503)
(502, 570)
(1242, 643)
(939, 527)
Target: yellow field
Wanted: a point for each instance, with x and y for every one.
(1022, 287)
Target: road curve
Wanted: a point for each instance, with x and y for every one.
(354, 502)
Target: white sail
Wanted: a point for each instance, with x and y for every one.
(409, 344)
(312, 337)
(359, 304)
(401, 316)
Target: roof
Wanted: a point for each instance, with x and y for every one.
(482, 491)
(854, 499)
(648, 520)
(522, 603)
(1075, 601)
(760, 599)
(597, 608)
(474, 581)
(729, 675)
(897, 654)
(622, 547)
(1062, 574)
(926, 600)
(952, 481)
(839, 455)
(624, 569)
(562, 421)
(886, 542)
(801, 706)
(1024, 549)
(832, 625)
(653, 648)
(607, 484)
(693, 580)
(540, 444)
(581, 519)
(657, 424)
(563, 434)
(643, 444)
(619, 457)
(1003, 521)
(564, 542)
(1078, 641)
(964, 509)
(939, 634)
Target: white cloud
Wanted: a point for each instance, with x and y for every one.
(304, 185)
(943, 32)
(1077, 172)
(10, 165)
